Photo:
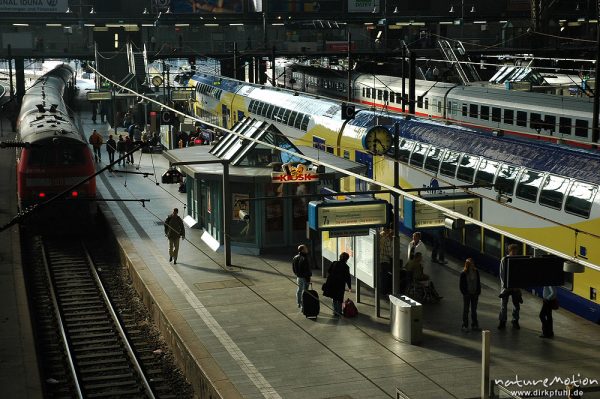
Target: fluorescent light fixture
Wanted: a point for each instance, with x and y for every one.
(20, 24)
(368, 23)
(503, 21)
(211, 24)
(277, 24)
(581, 19)
(113, 25)
(480, 22)
(147, 25)
(417, 23)
(54, 25)
(89, 25)
(562, 20)
(182, 25)
(593, 21)
(446, 22)
(236, 24)
(100, 29)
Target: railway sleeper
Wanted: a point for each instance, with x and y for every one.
(80, 318)
(93, 336)
(82, 331)
(121, 361)
(121, 393)
(91, 342)
(113, 370)
(101, 355)
(107, 377)
(113, 384)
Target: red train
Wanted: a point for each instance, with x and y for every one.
(57, 155)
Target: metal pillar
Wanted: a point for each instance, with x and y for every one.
(20, 78)
(350, 96)
(227, 211)
(10, 75)
(377, 274)
(273, 81)
(235, 60)
(412, 73)
(485, 364)
(595, 132)
(396, 249)
(403, 76)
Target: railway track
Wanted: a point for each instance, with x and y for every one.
(94, 346)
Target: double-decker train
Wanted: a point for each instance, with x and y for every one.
(56, 155)
(553, 189)
(533, 115)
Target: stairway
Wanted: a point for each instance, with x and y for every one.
(459, 58)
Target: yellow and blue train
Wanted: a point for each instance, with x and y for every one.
(543, 192)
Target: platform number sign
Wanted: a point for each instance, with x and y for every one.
(348, 111)
(167, 117)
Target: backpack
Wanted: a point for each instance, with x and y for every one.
(349, 308)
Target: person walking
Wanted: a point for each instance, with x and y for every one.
(549, 303)
(514, 293)
(338, 276)
(121, 149)
(94, 111)
(96, 142)
(174, 230)
(111, 147)
(301, 268)
(129, 148)
(470, 288)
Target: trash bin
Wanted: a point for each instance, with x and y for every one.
(406, 321)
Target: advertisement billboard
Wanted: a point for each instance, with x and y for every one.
(207, 6)
(34, 5)
(362, 5)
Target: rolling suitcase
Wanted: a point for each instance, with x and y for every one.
(310, 303)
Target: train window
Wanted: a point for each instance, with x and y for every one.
(363, 92)
(286, 116)
(252, 106)
(473, 236)
(529, 185)
(464, 110)
(432, 163)
(293, 116)
(535, 121)
(420, 102)
(68, 155)
(269, 111)
(404, 150)
(385, 95)
(580, 199)
(418, 155)
(262, 108)
(426, 103)
(368, 92)
(492, 244)
(379, 94)
(298, 121)
(485, 112)
(564, 126)
(466, 168)
(553, 191)
(304, 125)
(522, 118)
(509, 116)
(486, 172)
(496, 114)
(449, 163)
(473, 110)
(439, 107)
(549, 123)
(581, 128)
(505, 181)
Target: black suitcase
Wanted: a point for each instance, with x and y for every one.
(310, 303)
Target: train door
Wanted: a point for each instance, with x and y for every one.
(225, 116)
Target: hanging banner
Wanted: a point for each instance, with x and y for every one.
(33, 5)
(362, 5)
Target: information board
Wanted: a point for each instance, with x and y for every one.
(424, 216)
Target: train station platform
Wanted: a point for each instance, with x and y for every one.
(19, 376)
(240, 325)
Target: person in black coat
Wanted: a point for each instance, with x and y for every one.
(338, 276)
(470, 288)
(301, 268)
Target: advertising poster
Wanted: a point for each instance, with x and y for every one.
(207, 6)
(302, 6)
(240, 203)
(34, 5)
(362, 5)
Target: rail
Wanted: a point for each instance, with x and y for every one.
(84, 312)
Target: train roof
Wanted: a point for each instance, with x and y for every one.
(557, 159)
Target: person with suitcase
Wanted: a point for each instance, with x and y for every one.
(338, 276)
(301, 269)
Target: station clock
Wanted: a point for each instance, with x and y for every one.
(377, 140)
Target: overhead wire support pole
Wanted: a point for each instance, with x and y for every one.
(595, 116)
(350, 96)
(396, 243)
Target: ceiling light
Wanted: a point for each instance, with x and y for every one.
(236, 24)
(182, 25)
(20, 24)
(211, 24)
(54, 25)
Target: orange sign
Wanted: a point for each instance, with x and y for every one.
(294, 174)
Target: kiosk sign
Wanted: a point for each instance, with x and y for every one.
(294, 174)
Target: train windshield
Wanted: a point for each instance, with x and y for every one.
(57, 155)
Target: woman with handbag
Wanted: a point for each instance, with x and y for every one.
(550, 302)
(338, 276)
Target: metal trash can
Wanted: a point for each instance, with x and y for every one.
(406, 321)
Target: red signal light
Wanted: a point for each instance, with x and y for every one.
(42, 195)
(74, 194)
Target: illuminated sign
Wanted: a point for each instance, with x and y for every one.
(348, 233)
(345, 215)
(294, 174)
(99, 95)
(425, 216)
(181, 94)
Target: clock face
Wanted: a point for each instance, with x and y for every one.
(157, 80)
(378, 140)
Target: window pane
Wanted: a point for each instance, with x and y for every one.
(485, 112)
(491, 244)
(581, 128)
(464, 110)
(549, 123)
(522, 118)
(286, 116)
(564, 126)
(420, 102)
(496, 114)
(404, 150)
(466, 169)
(553, 191)
(432, 163)
(486, 172)
(418, 155)
(379, 94)
(535, 121)
(385, 95)
(509, 116)
(369, 92)
(473, 237)
(450, 163)
(298, 121)
(426, 103)
(505, 182)
(439, 107)
(473, 110)
(529, 185)
(292, 118)
(304, 125)
(363, 91)
(579, 201)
